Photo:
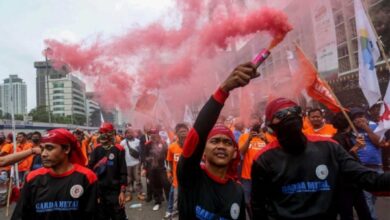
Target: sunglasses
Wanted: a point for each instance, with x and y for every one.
(282, 114)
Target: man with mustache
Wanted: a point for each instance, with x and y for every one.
(210, 190)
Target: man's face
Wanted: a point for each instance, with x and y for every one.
(360, 121)
(220, 150)
(35, 138)
(182, 133)
(130, 133)
(20, 139)
(316, 119)
(79, 136)
(107, 138)
(53, 154)
(155, 137)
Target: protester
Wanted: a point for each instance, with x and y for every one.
(297, 176)
(21, 145)
(250, 145)
(371, 155)
(36, 141)
(318, 126)
(145, 138)
(349, 196)
(16, 157)
(63, 188)
(155, 153)
(174, 152)
(132, 155)
(83, 143)
(209, 191)
(108, 162)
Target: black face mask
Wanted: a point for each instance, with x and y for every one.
(289, 134)
(35, 140)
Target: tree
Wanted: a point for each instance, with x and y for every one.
(95, 119)
(39, 114)
(79, 119)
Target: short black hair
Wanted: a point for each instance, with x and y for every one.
(21, 133)
(340, 122)
(37, 133)
(181, 125)
(315, 110)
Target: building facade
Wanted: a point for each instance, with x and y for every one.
(13, 92)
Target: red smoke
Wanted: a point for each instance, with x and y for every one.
(165, 59)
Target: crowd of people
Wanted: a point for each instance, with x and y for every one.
(289, 164)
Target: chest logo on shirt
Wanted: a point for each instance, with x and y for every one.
(76, 191)
(176, 157)
(235, 211)
(111, 156)
(322, 171)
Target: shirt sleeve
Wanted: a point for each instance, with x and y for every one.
(122, 168)
(364, 177)
(24, 209)
(188, 168)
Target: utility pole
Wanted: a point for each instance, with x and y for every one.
(47, 84)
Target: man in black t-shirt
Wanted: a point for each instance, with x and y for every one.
(108, 162)
(63, 188)
(210, 190)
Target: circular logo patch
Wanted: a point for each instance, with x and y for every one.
(235, 211)
(76, 191)
(322, 171)
(111, 156)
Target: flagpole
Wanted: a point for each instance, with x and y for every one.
(332, 93)
(378, 40)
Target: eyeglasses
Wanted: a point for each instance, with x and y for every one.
(285, 112)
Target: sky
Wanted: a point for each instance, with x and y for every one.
(24, 25)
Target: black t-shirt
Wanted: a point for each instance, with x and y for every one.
(45, 195)
(110, 167)
(202, 195)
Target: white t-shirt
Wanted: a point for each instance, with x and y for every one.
(134, 144)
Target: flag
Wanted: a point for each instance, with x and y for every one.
(368, 55)
(384, 121)
(315, 87)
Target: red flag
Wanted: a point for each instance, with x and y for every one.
(316, 88)
(146, 102)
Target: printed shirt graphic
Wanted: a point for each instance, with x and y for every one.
(173, 155)
(255, 146)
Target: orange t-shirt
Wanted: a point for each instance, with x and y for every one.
(25, 164)
(255, 146)
(94, 141)
(326, 131)
(7, 148)
(173, 155)
(306, 123)
(84, 149)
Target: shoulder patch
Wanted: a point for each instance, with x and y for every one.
(91, 176)
(38, 172)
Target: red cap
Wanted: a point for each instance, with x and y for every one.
(62, 136)
(275, 106)
(106, 127)
(222, 129)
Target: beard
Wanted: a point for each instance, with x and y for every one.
(290, 136)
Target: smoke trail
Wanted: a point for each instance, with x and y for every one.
(165, 59)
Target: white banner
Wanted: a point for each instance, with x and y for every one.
(325, 39)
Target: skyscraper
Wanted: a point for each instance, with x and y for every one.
(13, 91)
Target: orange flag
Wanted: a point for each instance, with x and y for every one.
(316, 88)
